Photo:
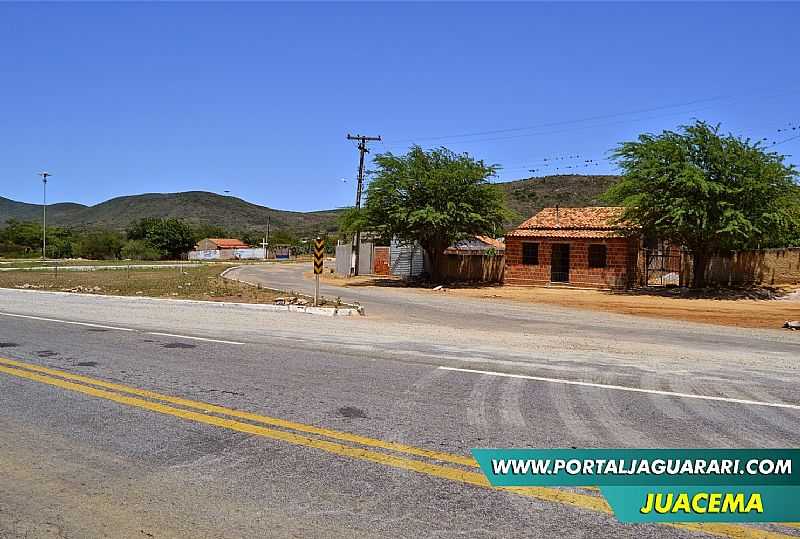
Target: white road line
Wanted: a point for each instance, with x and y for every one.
(625, 388)
(66, 321)
(118, 328)
(192, 337)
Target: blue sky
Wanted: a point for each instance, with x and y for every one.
(118, 99)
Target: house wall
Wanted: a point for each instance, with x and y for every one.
(619, 272)
(255, 253)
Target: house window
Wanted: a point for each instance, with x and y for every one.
(530, 254)
(597, 256)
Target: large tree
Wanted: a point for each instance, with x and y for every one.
(434, 197)
(709, 192)
(171, 237)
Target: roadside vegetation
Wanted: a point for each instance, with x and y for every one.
(433, 197)
(708, 192)
(190, 281)
(144, 239)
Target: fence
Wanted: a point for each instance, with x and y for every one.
(406, 260)
(473, 268)
(765, 266)
(344, 258)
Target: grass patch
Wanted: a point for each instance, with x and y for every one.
(192, 281)
(10, 263)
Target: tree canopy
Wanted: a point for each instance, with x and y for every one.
(709, 192)
(170, 237)
(434, 197)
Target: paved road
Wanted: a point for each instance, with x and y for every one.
(329, 400)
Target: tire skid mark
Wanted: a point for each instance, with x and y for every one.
(476, 406)
(510, 411)
(614, 420)
(709, 417)
(780, 433)
(576, 421)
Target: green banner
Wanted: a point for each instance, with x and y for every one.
(663, 485)
(704, 504)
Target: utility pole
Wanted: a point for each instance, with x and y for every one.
(44, 176)
(362, 149)
(265, 243)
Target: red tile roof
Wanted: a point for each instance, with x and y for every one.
(497, 244)
(593, 222)
(228, 243)
(564, 233)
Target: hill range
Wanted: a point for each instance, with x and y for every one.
(525, 197)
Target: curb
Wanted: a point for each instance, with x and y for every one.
(349, 309)
(320, 311)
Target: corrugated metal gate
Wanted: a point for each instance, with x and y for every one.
(406, 260)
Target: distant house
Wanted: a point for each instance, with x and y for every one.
(577, 246)
(216, 244)
(225, 249)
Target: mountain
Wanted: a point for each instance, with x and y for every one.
(196, 207)
(526, 197)
(22, 211)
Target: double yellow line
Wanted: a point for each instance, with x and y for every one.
(448, 466)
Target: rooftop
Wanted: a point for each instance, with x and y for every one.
(476, 245)
(228, 243)
(591, 222)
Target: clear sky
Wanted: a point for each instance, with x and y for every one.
(117, 99)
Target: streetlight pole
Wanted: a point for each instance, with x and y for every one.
(44, 176)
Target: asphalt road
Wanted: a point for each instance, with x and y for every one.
(327, 402)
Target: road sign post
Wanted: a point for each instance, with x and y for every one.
(319, 252)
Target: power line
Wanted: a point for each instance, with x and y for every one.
(733, 99)
(564, 122)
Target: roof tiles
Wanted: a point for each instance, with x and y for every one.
(592, 222)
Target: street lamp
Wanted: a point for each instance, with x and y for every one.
(44, 176)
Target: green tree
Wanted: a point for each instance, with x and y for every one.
(171, 237)
(205, 230)
(139, 250)
(99, 245)
(434, 197)
(709, 192)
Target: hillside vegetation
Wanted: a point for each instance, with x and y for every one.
(525, 197)
(195, 207)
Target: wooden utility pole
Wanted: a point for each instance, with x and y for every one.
(362, 149)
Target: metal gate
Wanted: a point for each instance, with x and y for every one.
(662, 267)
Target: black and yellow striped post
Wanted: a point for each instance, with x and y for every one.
(319, 253)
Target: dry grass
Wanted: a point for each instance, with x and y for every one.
(11, 263)
(200, 281)
(752, 313)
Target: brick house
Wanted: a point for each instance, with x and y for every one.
(215, 244)
(575, 246)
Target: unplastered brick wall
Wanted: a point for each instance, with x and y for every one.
(618, 273)
(766, 266)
